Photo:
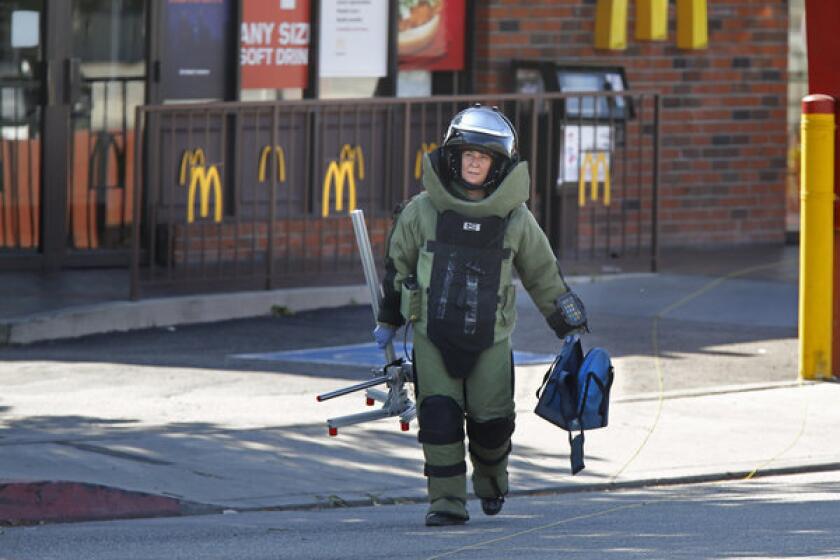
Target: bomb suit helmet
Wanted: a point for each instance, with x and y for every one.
(485, 129)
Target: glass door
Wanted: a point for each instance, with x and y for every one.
(21, 94)
(106, 73)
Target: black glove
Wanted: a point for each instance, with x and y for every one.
(570, 315)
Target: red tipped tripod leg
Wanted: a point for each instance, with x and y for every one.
(333, 432)
(404, 426)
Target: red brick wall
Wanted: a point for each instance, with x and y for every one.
(299, 240)
(723, 123)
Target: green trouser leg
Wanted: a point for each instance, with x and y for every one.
(490, 476)
(443, 401)
(490, 412)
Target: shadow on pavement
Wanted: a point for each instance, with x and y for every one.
(241, 468)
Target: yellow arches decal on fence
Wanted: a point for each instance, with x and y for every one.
(195, 172)
(592, 163)
(281, 163)
(418, 161)
(651, 23)
(350, 161)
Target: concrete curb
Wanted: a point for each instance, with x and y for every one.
(26, 503)
(67, 502)
(121, 316)
(163, 312)
(338, 502)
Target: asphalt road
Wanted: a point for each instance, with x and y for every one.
(774, 517)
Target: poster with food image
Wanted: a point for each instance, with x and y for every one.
(430, 34)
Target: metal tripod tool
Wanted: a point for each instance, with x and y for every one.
(394, 374)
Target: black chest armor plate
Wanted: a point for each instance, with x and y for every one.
(464, 286)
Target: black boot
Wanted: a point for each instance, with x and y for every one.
(492, 506)
(442, 518)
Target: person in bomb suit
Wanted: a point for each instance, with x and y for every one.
(449, 265)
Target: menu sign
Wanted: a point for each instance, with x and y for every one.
(354, 39)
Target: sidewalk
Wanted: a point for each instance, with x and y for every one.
(706, 389)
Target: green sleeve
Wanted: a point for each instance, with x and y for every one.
(402, 249)
(537, 266)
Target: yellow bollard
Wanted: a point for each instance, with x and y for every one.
(816, 252)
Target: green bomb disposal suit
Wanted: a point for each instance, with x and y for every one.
(449, 268)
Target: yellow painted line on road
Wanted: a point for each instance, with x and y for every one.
(754, 472)
(533, 530)
(658, 365)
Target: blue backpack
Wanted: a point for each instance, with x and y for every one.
(575, 393)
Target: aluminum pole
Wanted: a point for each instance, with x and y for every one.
(369, 268)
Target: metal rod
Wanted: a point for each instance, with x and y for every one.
(369, 268)
(358, 418)
(376, 395)
(409, 414)
(358, 217)
(352, 388)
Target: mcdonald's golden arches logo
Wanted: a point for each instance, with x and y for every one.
(651, 23)
(592, 163)
(281, 163)
(350, 161)
(207, 179)
(418, 161)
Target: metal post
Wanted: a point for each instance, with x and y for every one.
(406, 167)
(817, 230)
(654, 242)
(272, 201)
(369, 268)
(137, 213)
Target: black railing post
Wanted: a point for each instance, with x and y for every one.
(534, 151)
(134, 288)
(272, 203)
(406, 149)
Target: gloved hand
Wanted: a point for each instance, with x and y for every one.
(569, 316)
(383, 334)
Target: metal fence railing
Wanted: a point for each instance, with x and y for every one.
(257, 195)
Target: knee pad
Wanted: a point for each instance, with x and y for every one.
(491, 434)
(441, 421)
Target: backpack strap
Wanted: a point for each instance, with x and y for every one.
(543, 384)
(576, 453)
(546, 376)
